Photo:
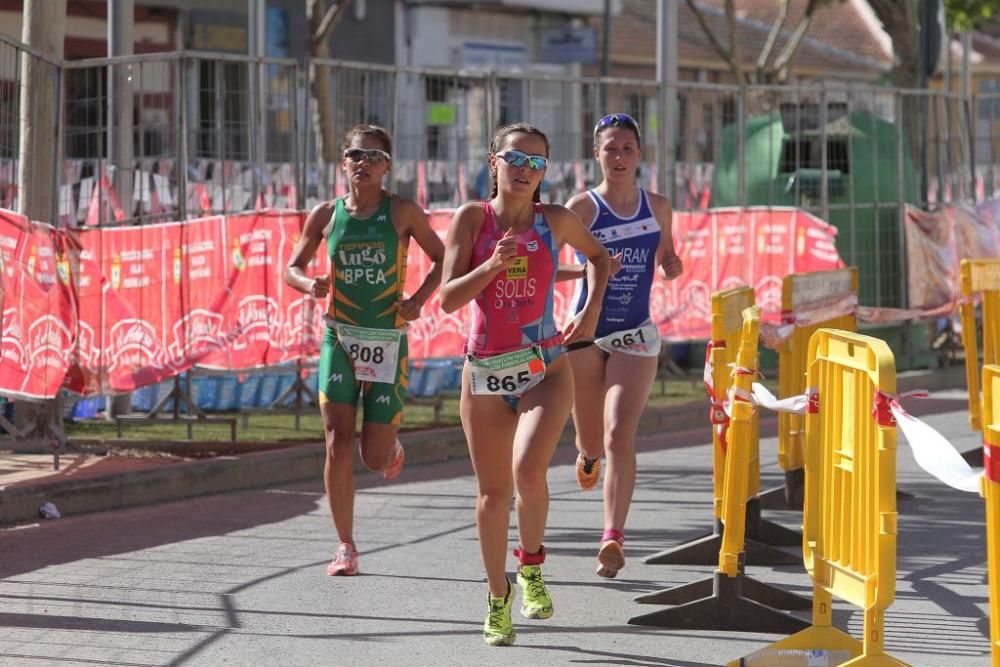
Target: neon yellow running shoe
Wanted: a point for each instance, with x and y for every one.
(498, 629)
(535, 599)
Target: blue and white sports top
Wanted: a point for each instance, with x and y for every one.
(626, 300)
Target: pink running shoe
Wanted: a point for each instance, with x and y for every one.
(396, 467)
(345, 561)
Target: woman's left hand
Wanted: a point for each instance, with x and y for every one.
(672, 266)
(581, 327)
(409, 309)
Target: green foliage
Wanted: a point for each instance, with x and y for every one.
(962, 15)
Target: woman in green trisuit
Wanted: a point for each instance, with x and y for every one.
(364, 353)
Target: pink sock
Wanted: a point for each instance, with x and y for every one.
(613, 534)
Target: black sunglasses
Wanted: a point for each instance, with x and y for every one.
(615, 120)
(373, 155)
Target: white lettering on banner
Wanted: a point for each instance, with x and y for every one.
(10, 340)
(137, 255)
(258, 321)
(255, 235)
(49, 333)
(87, 352)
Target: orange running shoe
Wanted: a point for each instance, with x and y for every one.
(611, 556)
(588, 471)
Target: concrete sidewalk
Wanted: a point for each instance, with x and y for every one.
(239, 578)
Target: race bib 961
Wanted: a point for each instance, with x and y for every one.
(643, 342)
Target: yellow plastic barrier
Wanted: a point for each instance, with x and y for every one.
(979, 276)
(742, 458)
(730, 600)
(849, 518)
(806, 293)
(727, 324)
(991, 492)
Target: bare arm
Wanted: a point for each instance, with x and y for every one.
(419, 228)
(459, 285)
(305, 250)
(569, 229)
(666, 256)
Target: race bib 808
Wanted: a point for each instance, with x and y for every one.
(373, 352)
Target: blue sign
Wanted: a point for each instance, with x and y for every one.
(568, 45)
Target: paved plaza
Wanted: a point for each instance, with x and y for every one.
(239, 578)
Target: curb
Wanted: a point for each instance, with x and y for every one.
(300, 463)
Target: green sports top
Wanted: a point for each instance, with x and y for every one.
(368, 264)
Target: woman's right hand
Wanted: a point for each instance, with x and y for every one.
(320, 286)
(504, 252)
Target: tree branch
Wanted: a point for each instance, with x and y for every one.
(734, 41)
(772, 37)
(329, 19)
(725, 55)
(783, 62)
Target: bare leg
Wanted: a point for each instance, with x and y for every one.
(588, 402)
(629, 380)
(543, 411)
(338, 476)
(378, 445)
(489, 426)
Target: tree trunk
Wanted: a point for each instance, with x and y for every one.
(900, 18)
(44, 29)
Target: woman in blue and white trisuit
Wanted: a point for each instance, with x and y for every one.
(621, 361)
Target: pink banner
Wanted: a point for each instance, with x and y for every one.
(726, 248)
(36, 333)
(124, 307)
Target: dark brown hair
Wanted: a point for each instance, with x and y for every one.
(498, 140)
(628, 126)
(365, 130)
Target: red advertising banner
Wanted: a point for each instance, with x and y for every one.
(726, 248)
(105, 310)
(37, 330)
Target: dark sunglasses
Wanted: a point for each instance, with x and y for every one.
(373, 155)
(615, 120)
(519, 159)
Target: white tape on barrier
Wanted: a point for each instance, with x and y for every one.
(794, 404)
(934, 453)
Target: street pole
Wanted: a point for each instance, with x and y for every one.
(257, 10)
(605, 57)
(121, 42)
(666, 79)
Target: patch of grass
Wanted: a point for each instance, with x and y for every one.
(279, 427)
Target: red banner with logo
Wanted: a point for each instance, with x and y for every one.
(726, 248)
(37, 330)
(105, 310)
